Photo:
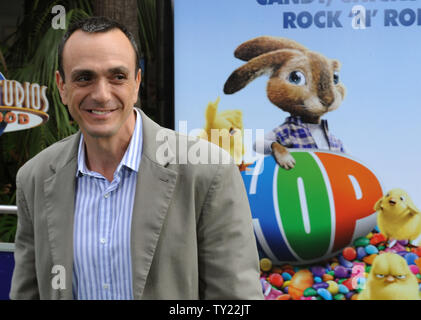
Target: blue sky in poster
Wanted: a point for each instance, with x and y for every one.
(379, 121)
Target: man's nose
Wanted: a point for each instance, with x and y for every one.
(101, 91)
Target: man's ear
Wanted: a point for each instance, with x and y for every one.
(61, 87)
(138, 80)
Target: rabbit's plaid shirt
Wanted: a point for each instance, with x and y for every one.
(294, 133)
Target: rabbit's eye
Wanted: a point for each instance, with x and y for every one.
(297, 78)
(336, 77)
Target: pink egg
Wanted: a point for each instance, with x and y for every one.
(414, 269)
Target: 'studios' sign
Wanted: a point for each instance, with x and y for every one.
(311, 212)
(22, 106)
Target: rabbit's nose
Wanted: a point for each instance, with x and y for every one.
(326, 98)
(324, 90)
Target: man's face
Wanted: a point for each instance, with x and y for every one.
(100, 86)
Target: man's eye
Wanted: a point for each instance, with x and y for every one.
(83, 79)
(120, 77)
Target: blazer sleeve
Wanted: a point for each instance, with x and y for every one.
(227, 252)
(24, 282)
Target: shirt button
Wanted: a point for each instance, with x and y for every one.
(106, 195)
(105, 286)
(103, 240)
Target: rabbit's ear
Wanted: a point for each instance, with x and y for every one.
(263, 64)
(260, 45)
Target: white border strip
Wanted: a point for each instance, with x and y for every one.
(8, 209)
(7, 247)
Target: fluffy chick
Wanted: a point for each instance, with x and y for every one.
(390, 279)
(397, 217)
(229, 134)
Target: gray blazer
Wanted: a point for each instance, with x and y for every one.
(191, 235)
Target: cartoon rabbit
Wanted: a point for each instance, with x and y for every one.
(302, 82)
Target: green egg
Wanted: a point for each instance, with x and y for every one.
(309, 292)
(361, 242)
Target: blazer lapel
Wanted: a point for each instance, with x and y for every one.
(154, 190)
(59, 190)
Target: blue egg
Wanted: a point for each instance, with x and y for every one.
(325, 294)
(370, 249)
(286, 276)
(361, 253)
(410, 258)
(317, 279)
(343, 289)
(345, 263)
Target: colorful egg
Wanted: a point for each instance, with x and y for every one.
(302, 280)
(312, 212)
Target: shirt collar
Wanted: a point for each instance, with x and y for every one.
(131, 158)
(297, 120)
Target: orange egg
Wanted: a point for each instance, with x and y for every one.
(418, 263)
(326, 277)
(300, 281)
(369, 259)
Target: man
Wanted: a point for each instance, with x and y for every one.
(104, 215)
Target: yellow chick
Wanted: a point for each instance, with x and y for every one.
(225, 129)
(390, 279)
(397, 217)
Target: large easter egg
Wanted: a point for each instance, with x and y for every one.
(313, 211)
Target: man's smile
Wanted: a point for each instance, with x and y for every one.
(100, 113)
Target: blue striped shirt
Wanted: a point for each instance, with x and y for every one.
(102, 266)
